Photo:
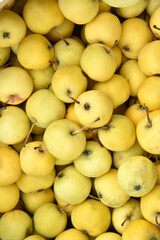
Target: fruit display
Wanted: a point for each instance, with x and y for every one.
(79, 119)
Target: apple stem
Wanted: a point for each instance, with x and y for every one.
(155, 26)
(67, 43)
(151, 32)
(95, 138)
(127, 218)
(81, 129)
(9, 63)
(29, 132)
(76, 101)
(116, 41)
(156, 219)
(104, 127)
(62, 208)
(96, 198)
(148, 118)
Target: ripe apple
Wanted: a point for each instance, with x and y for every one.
(49, 221)
(13, 28)
(108, 190)
(109, 236)
(68, 82)
(6, 4)
(71, 186)
(79, 12)
(132, 174)
(154, 22)
(15, 224)
(120, 3)
(40, 16)
(35, 52)
(135, 112)
(91, 217)
(72, 234)
(5, 54)
(34, 237)
(98, 61)
(152, 5)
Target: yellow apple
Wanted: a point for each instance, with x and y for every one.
(120, 3)
(6, 4)
(71, 186)
(5, 54)
(152, 5)
(91, 217)
(109, 236)
(135, 112)
(13, 28)
(65, 206)
(70, 114)
(72, 234)
(132, 174)
(49, 221)
(104, 7)
(35, 237)
(154, 22)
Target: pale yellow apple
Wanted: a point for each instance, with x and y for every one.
(15, 224)
(132, 11)
(35, 52)
(40, 16)
(120, 156)
(49, 221)
(12, 28)
(119, 134)
(117, 88)
(150, 87)
(16, 85)
(109, 191)
(35, 159)
(79, 12)
(67, 53)
(91, 216)
(120, 3)
(10, 170)
(28, 184)
(132, 72)
(72, 234)
(5, 54)
(154, 22)
(105, 27)
(109, 236)
(152, 5)
(135, 34)
(98, 61)
(40, 105)
(63, 30)
(35, 237)
(148, 58)
(140, 229)
(41, 78)
(34, 200)
(132, 174)
(147, 132)
(135, 112)
(62, 135)
(71, 186)
(94, 161)
(68, 82)
(123, 215)
(10, 195)
(94, 105)
(6, 4)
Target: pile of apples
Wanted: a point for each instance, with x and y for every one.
(80, 119)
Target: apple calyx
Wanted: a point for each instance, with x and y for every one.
(128, 217)
(67, 43)
(156, 218)
(148, 118)
(39, 149)
(81, 129)
(154, 37)
(6, 35)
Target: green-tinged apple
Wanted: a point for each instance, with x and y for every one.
(10, 195)
(5, 54)
(28, 184)
(34, 200)
(105, 27)
(14, 125)
(49, 220)
(35, 159)
(40, 106)
(152, 5)
(109, 191)
(135, 34)
(64, 139)
(147, 132)
(72, 234)
(35, 52)
(91, 217)
(93, 104)
(71, 186)
(13, 28)
(68, 82)
(15, 224)
(16, 85)
(79, 12)
(123, 215)
(132, 174)
(10, 170)
(67, 52)
(40, 16)
(98, 61)
(94, 161)
(119, 134)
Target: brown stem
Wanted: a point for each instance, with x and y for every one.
(76, 101)
(127, 218)
(151, 32)
(156, 219)
(155, 26)
(62, 208)
(29, 133)
(67, 43)
(116, 41)
(95, 138)
(148, 118)
(81, 129)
